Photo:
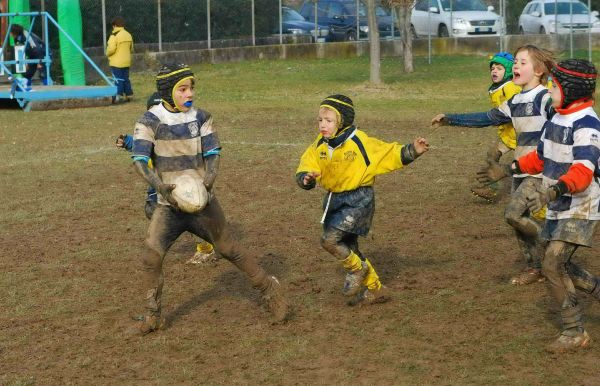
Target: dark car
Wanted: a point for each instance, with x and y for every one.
(294, 24)
(340, 17)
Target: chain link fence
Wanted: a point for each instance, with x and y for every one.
(165, 25)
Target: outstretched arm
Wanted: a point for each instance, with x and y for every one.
(412, 151)
(493, 117)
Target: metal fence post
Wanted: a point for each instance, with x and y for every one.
(159, 28)
(280, 23)
(571, 30)
(253, 27)
(44, 22)
(208, 23)
(429, 33)
(589, 30)
(393, 14)
(451, 19)
(357, 20)
(316, 25)
(104, 23)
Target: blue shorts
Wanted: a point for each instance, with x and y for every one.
(351, 211)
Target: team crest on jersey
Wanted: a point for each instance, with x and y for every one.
(349, 156)
(193, 128)
(323, 155)
(529, 108)
(594, 138)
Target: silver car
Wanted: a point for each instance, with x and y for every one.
(539, 17)
(454, 18)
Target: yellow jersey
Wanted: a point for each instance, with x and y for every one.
(506, 132)
(119, 48)
(352, 164)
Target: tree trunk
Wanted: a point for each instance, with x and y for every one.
(374, 44)
(404, 12)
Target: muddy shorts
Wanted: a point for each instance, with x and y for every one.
(350, 211)
(570, 230)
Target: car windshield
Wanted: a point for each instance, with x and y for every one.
(289, 14)
(565, 8)
(362, 11)
(463, 5)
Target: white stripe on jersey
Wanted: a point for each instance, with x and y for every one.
(584, 205)
(528, 124)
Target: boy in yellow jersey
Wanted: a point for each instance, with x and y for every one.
(501, 90)
(345, 161)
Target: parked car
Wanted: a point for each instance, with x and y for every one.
(295, 24)
(454, 18)
(340, 17)
(539, 17)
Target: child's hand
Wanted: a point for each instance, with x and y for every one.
(120, 142)
(439, 120)
(310, 177)
(421, 145)
(492, 173)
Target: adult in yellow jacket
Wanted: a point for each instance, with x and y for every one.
(345, 162)
(118, 50)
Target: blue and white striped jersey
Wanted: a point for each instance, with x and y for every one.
(175, 142)
(571, 139)
(529, 111)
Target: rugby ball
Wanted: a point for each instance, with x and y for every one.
(190, 193)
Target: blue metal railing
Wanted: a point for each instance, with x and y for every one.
(47, 57)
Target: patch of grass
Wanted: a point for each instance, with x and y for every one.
(73, 228)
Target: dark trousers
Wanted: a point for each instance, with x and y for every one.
(30, 72)
(122, 79)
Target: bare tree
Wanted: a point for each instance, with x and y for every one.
(404, 10)
(375, 49)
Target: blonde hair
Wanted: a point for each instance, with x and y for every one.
(543, 60)
(338, 116)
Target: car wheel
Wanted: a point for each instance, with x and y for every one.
(413, 32)
(542, 30)
(443, 31)
(350, 36)
(521, 32)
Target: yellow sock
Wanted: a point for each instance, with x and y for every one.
(204, 247)
(352, 263)
(371, 281)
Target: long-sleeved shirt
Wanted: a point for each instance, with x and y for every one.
(569, 152)
(353, 163)
(528, 111)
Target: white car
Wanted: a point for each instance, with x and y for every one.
(465, 18)
(539, 17)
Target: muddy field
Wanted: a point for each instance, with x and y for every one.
(72, 227)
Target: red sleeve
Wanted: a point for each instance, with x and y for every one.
(530, 163)
(577, 178)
